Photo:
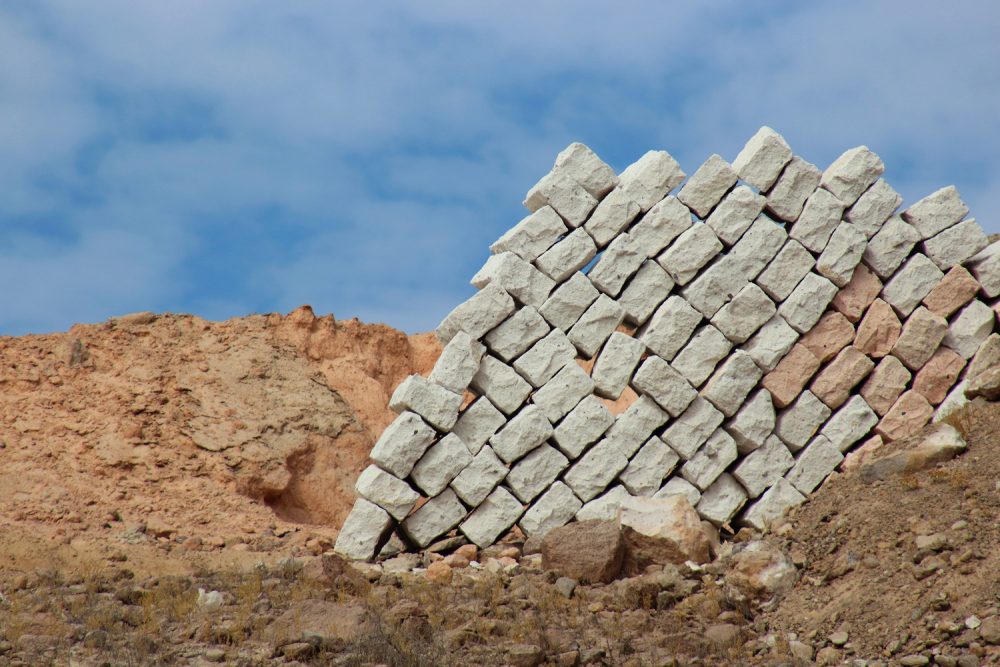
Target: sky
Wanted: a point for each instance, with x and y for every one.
(246, 156)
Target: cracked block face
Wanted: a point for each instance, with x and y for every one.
(747, 326)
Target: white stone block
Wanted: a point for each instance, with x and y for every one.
(716, 285)
(670, 327)
(581, 164)
(813, 464)
(596, 324)
(570, 254)
(649, 467)
(570, 300)
(852, 173)
(805, 305)
(758, 246)
(545, 358)
(722, 500)
(434, 518)
(438, 406)
(911, 284)
(771, 343)
(817, 221)
(956, 244)
(953, 401)
(754, 422)
(728, 387)
(985, 266)
(458, 363)
(789, 194)
(772, 505)
(611, 217)
(650, 178)
(689, 253)
(735, 213)
(764, 466)
(582, 426)
(656, 379)
(936, 212)
(501, 384)
(477, 424)
(535, 472)
(873, 208)
(645, 292)
(707, 185)
(441, 464)
(619, 262)
(710, 461)
(667, 220)
(402, 443)
(678, 486)
(526, 430)
(970, 329)
(480, 313)
(517, 333)
(479, 478)
(700, 356)
(595, 470)
(532, 236)
(362, 531)
(634, 426)
(555, 508)
(563, 392)
(745, 314)
(567, 197)
(762, 159)
(492, 518)
(693, 428)
(605, 507)
(615, 364)
(797, 423)
(890, 247)
(788, 267)
(842, 254)
(387, 491)
(517, 277)
(849, 424)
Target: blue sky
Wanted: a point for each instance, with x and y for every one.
(229, 157)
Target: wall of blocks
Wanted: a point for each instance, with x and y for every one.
(768, 316)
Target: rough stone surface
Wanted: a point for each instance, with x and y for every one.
(956, 399)
(458, 363)
(615, 364)
(595, 325)
(492, 518)
(650, 178)
(568, 302)
(889, 247)
(754, 422)
(797, 424)
(936, 212)
(956, 289)
(612, 215)
(853, 299)
(535, 472)
(735, 213)
(702, 353)
(850, 423)
(689, 253)
(569, 199)
(545, 358)
(791, 374)
(939, 375)
(911, 284)
(986, 357)
(968, 331)
(771, 343)
(590, 552)
(582, 165)
(402, 444)
(387, 491)
(479, 478)
(830, 335)
(501, 384)
(813, 464)
(763, 467)
(480, 313)
(645, 292)
(760, 571)
(807, 302)
(362, 530)
(873, 208)
(955, 244)
(885, 384)
(604, 507)
(649, 467)
(985, 266)
(434, 518)
(757, 247)
(707, 185)
(906, 416)
(634, 426)
(441, 464)
(939, 443)
(582, 426)
(710, 461)
(527, 430)
(729, 385)
(659, 531)
(517, 277)
(689, 431)
(563, 392)
(718, 284)
(532, 236)
(670, 327)
(516, 334)
(762, 159)
(663, 223)
(745, 314)
(620, 260)
(569, 255)
(789, 194)
(818, 220)
(834, 383)
(437, 405)
(656, 379)
(921, 335)
(852, 173)
(477, 424)
(842, 254)
(721, 501)
(879, 330)
(556, 507)
(777, 500)
(678, 486)
(788, 267)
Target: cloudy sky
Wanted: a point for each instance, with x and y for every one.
(229, 157)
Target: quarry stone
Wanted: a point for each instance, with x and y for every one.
(689, 431)
(834, 383)
(710, 461)
(707, 185)
(525, 431)
(604, 507)
(437, 405)
(890, 247)
(854, 298)
(873, 208)
(789, 194)
(620, 260)
(777, 500)
(477, 424)
(735, 213)
(985, 266)
(729, 385)
(819, 218)
(850, 423)
(517, 333)
(567, 197)
(535, 472)
(956, 399)
(678, 486)
(595, 470)
(650, 178)
(698, 359)
(788, 267)
(501, 384)
(645, 292)
(659, 531)
(791, 374)
(911, 284)
(588, 553)
(852, 173)
(568, 302)
(986, 357)
(831, 334)
(885, 384)
(762, 159)
(689, 253)
(434, 518)
(634, 426)
(936, 212)
(758, 246)
(479, 478)
(611, 217)
(718, 284)
(804, 306)
(722, 500)
(441, 464)
(615, 364)
(745, 314)
(517, 277)
(387, 491)
(970, 329)
(754, 422)
(763, 467)
(921, 335)
(906, 416)
(362, 531)
(458, 363)
(938, 375)
(545, 358)
(581, 164)
(556, 507)
(956, 244)
(532, 236)
(573, 252)
(879, 330)
(842, 254)
(492, 518)
(670, 327)
(582, 426)
(956, 289)
(563, 392)
(402, 444)
(663, 223)
(797, 424)
(649, 467)
(771, 343)
(480, 313)
(595, 325)
(656, 379)
(813, 464)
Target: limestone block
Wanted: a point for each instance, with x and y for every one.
(689, 253)
(797, 424)
(649, 467)
(834, 383)
(491, 518)
(939, 375)
(804, 306)
(762, 159)
(615, 364)
(437, 405)
(879, 330)
(595, 470)
(754, 422)
(573, 252)
(758, 246)
(532, 236)
(831, 334)
(885, 384)
(562, 393)
(764, 466)
(985, 266)
(986, 357)
(699, 357)
(582, 426)
(922, 334)
(501, 384)
(402, 443)
(650, 178)
(813, 464)
(525, 431)
(735, 213)
(955, 400)
(771, 343)
(788, 267)
(745, 314)
(850, 423)
(518, 278)
(820, 216)
(667, 220)
(567, 197)
(678, 486)
(791, 374)
(789, 194)
(670, 327)
(441, 464)
(852, 173)
(611, 217)
(906, 416)
(477, 424)
(721, 501)
(888, 249)
(970, 329)
(387, 491)
(535, 472)
(911, 284)
(936, 212)
(556, 507)
(363, 530)
(772, 505)
(716, 285)
(710, 461)
(873, 208)
(434, 518)
(619, 262)
(656, 379)
(596, 324)
(517, 333)
(480, 313)
(707, 185)
(956, 244)
(729, 385)
(634, 426)
(689, 431)
(479, 478)
(956, 289)
(458, 363)
(842, 254)
(647, 290)
(568, 302)
(854, 299)
(582, 165)
(545, 358)
(605, 507)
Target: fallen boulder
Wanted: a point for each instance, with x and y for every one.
(588, 551)
(760, 572)
(662, 530)
(934, 444)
